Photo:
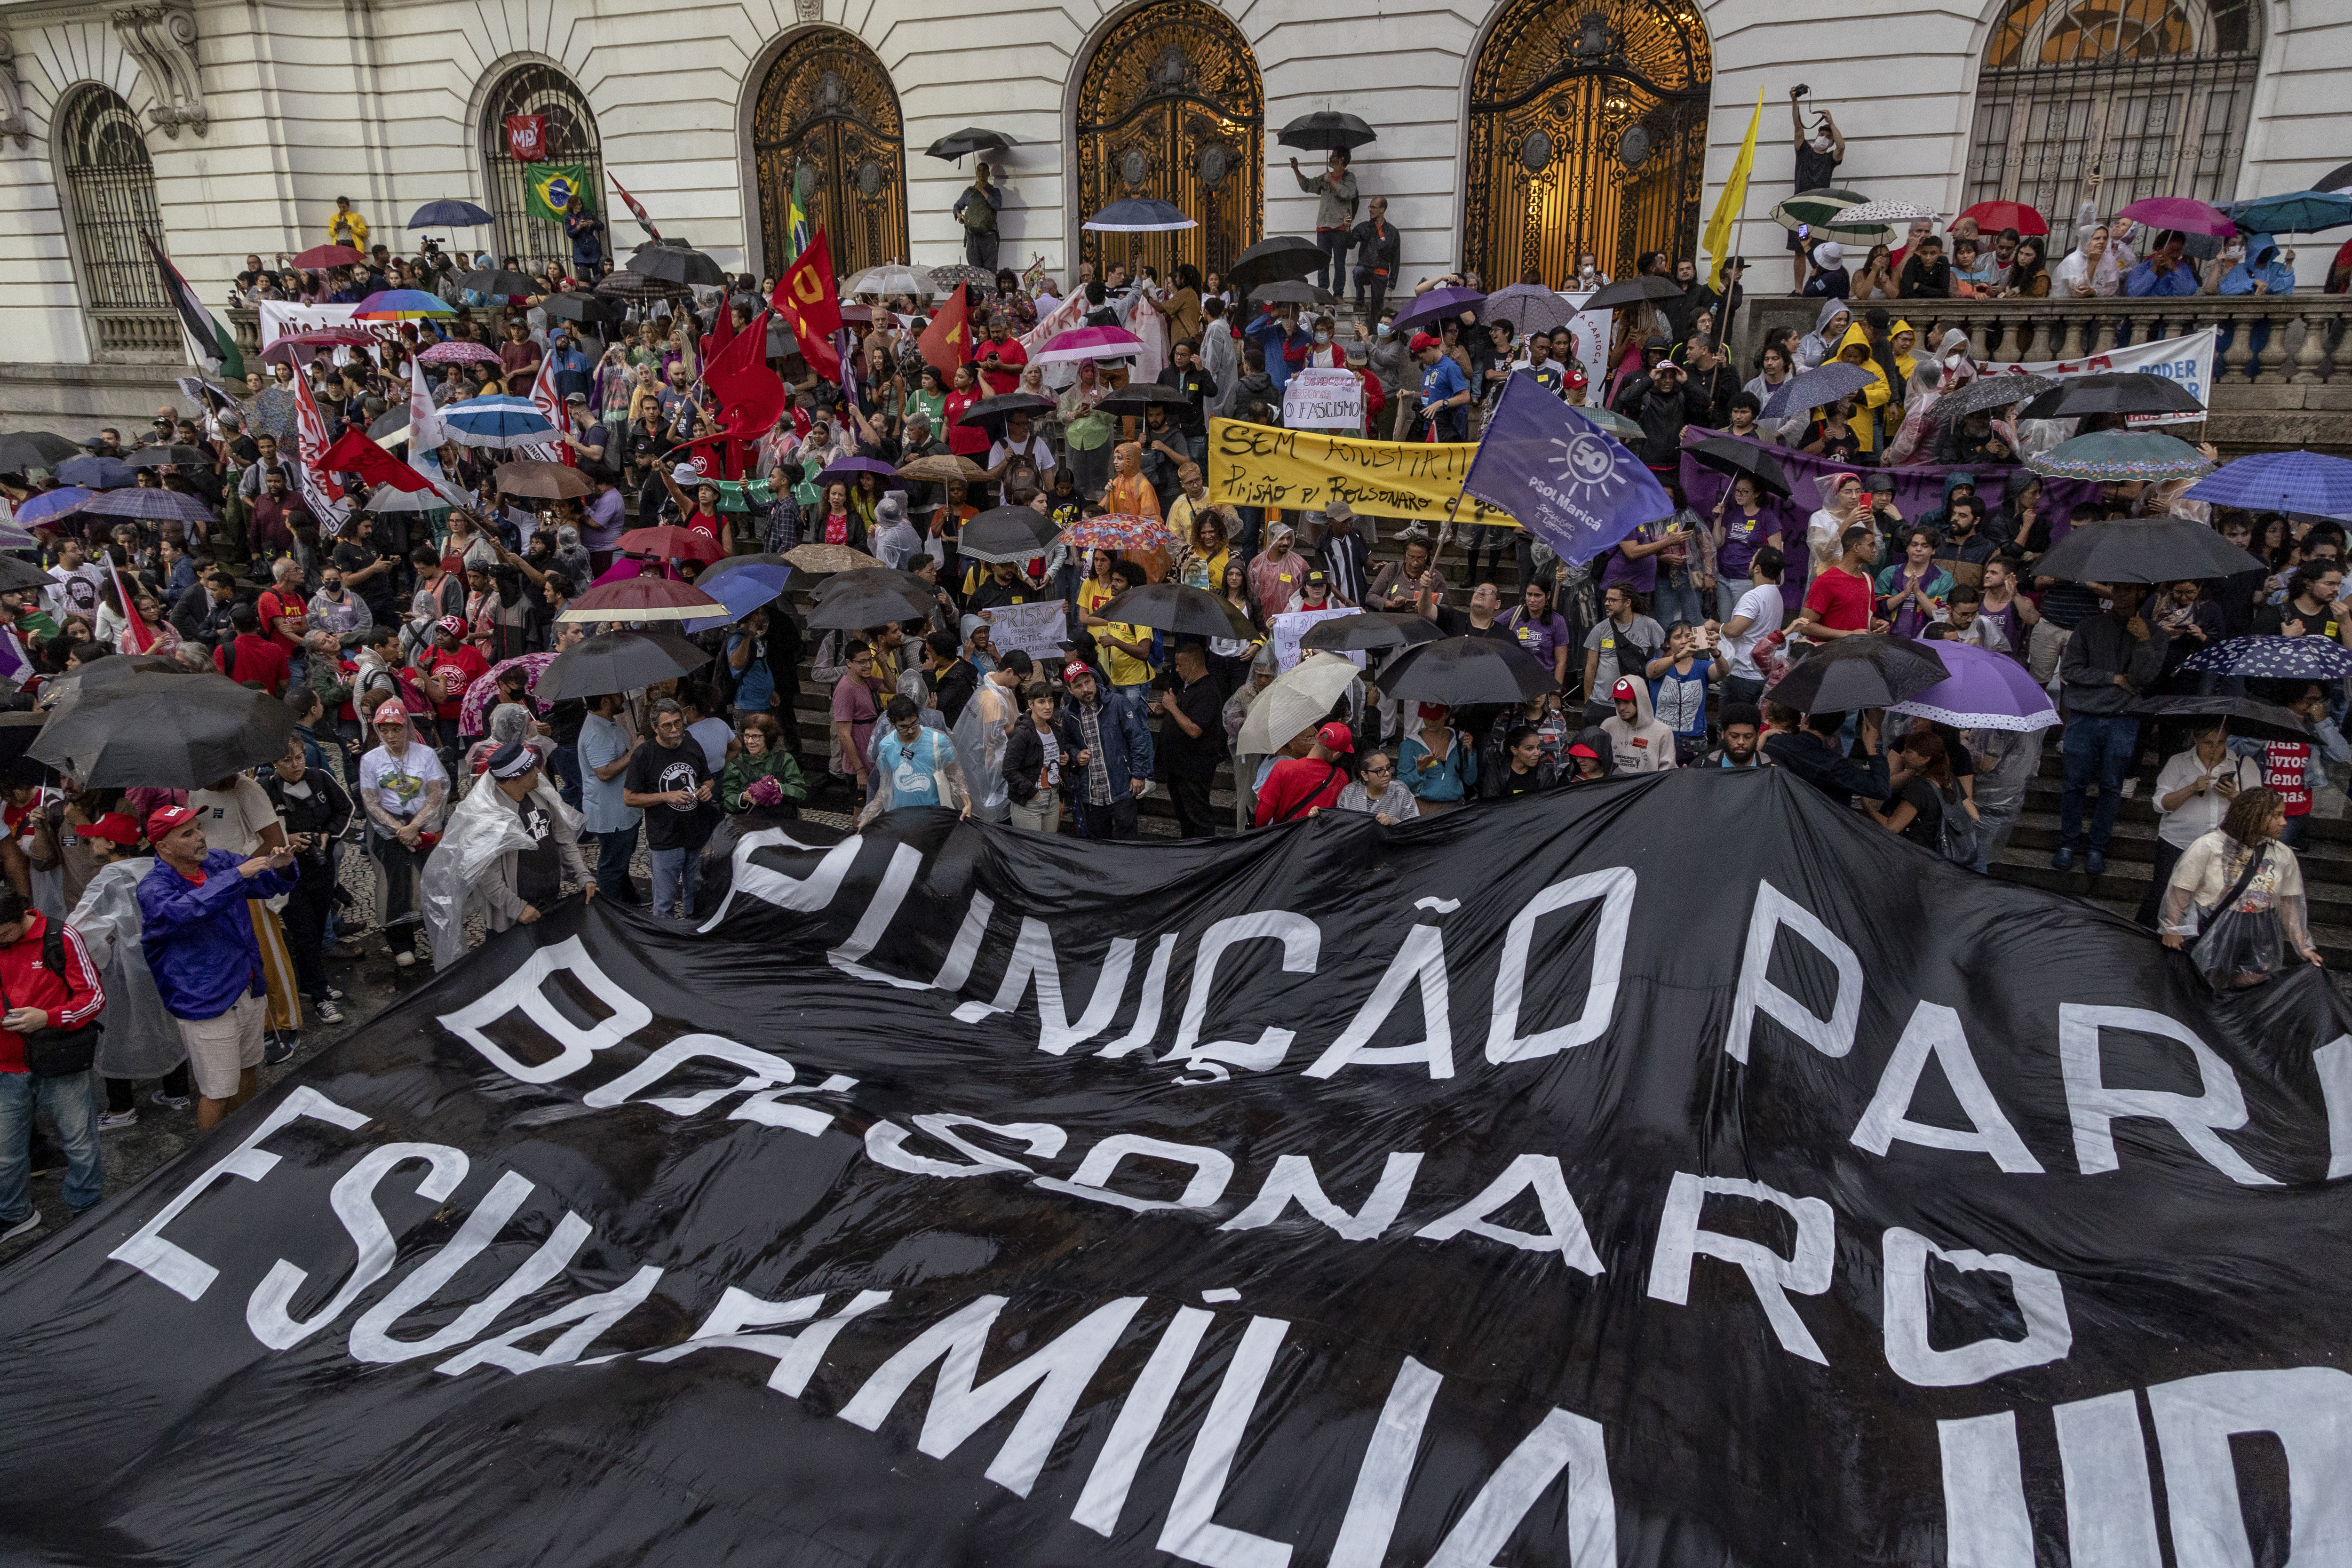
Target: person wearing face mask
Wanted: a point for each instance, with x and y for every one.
(1325, 353)
(1818, 157)
(1390, 362)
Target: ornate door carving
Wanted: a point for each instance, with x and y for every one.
(1588, 133)
(827, 112)
(1172, 107)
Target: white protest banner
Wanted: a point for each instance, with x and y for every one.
(1589, 340)
(280, 317)
(1293, 625)
(1037, 629)
(2188, 360)
(1324, 398)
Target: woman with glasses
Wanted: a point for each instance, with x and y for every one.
(1375, 790)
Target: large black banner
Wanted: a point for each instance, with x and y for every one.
(1678, 1171)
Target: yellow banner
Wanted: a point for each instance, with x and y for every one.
(1306, 470)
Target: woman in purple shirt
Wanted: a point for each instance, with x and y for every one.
(1741, 530)
(1540, 631)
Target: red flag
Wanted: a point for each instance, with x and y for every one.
(527, 136)
(805, 297)
(946, 341)
(635, 207)
(137, 636)
(721, 332)
(751, 395)
(353, 453)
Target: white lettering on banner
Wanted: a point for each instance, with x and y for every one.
(886, 1145)
(2188, 359)
(1615, 888)
(796, 1356)
(802, 895)
(2110, 1501)
(2334, 1061)
(1040, 630)
(960, 1406)
(1935, 1031)
(2041, 1299)
(1561, 1441)
(1033, 961)
(1302, 942)
(1192, 1531)
(1589, 334)
(769, 1074)
(1420, 958)
(2201, 1119)
(1293, 1179)
(1148, 1003)
(1387, 1469)
(1985, 1521)
(2308, 1408)
(280, 317)
(905, 860)
(1564, 1231)
(1212, 1169)
(1831, 1034)
(353, 1200)
(1140, 1415)
(1681, 1240)
(587, 1317)
(1289, 627)
(524, 990)
(183, 1271)
(1324, 398)
(371, 1338)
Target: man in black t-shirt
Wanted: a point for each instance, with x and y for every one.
(1192, 741)
(670, 779)
(1818, 157)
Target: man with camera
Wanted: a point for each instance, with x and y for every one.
(1818, 157)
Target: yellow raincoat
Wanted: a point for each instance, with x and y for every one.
(1875, 397)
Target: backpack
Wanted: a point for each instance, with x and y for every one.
(60, 1053)
(1959, 835)
(979, 214)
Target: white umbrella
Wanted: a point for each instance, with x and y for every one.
(1883, 212)
(390, 497)
(1300, 696)
(892, 278)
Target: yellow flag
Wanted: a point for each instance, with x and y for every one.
(1717, 240)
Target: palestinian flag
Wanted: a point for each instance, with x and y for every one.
(214, 346)
(549, 189)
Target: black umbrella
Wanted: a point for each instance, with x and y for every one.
(63, 691)
(34, 449)
(2144, 550)
(165, 454)
(1173, 607)
(1006, 533)
(17, 732)
(1632, 291)
(2255, 721)
(1370, 632)
(96, 473)
(1138, 395)
(1285, 256)
(1989, 392)
(2121, 392)
(1870, 670)
(988, 412)
(18, 574)
(582, 308)
(958, 145)
(1725, 455)
(616, 661)
(1290, 292)
(165, 732)
(1326, 133)
(855, 600)
(1466, 671)
(498, 281)
(867, 577)
(627, 285)
(674, 261)
(392, 420)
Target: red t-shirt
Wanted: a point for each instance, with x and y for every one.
(270, 606)
(1298, 786)
(2287, 768)
(1010, 352)
(253, 657)
(963, 441)
(1840, 600)
(466, 666)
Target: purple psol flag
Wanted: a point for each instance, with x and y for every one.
(1566, 480)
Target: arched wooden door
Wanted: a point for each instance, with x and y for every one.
(1171, 106)
(1588, 133)
(828, 115)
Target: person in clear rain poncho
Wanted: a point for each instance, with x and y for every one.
(504, 855)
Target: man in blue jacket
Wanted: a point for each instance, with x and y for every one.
(197, 935)
(1112, 766)
(1279, 333)
(2263, 271)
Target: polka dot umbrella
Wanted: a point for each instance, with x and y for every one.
(2274, 658)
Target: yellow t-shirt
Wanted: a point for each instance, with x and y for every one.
(1092, 595)
(1124, 669)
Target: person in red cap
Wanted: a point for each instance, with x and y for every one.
(47, 982)
(1444, 393)
(449, 666)
(1112, 766)
(402, 788)
(1300, 785)
(197, 931)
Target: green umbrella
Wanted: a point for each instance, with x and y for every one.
(2121, 454)
(1819, 210)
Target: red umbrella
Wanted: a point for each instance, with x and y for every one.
(643, 599)
(1993, 216)
(282, 348)
(668, 543)
(329, 255)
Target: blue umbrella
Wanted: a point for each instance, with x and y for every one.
(1816, 389)
(2274, 658)
(96, 473)
(52, 503)
(2297, 212)
(500, 422)
(742, 591)
(448, 213)
(2307, 482)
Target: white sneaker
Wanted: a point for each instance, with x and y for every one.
(168, 1101)
(26, 1227)
(405, 958)
(109, 1121)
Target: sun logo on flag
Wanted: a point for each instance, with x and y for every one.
(1587, 462)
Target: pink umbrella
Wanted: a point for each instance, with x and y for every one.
(457, 350)
(473, 713)
(2183, 213)
(1090, 343)
(281, 349)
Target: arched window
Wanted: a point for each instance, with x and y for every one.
(522, 189)
(109, 187)
(2152, 96)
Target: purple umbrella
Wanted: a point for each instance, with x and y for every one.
(847, 469)
(149, 506)
(1985, 690)
(2187, 215)
(96, 473)
(1438, 304)
(51, 505)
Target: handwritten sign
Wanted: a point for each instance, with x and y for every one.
(1324, 399)
(1306, 470)
(1038, 630)
(1293, 625)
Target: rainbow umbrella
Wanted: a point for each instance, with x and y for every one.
(401, 305)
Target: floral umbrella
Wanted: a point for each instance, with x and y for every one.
(1118, 531)
(473, 713)
(2145, 455)
(458, 351)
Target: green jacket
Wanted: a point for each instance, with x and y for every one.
(747, 769)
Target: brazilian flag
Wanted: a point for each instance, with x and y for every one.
(548, 189)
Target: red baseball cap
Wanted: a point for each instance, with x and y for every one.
(1335, 738)
(1074, 670)
(1624, 692)
(1576, 376)
(117, 826)
(1582, 750)
(454, 626)
(391, 713)
(165, 818)
(1421, 340)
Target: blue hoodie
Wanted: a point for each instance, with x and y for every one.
(2261, 265)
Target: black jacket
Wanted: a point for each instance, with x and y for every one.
(197, 617)
(1923, 281)
(1817, 763)
(1024, 756)
(326, 810)
(1662, 416)
(1378, 249)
